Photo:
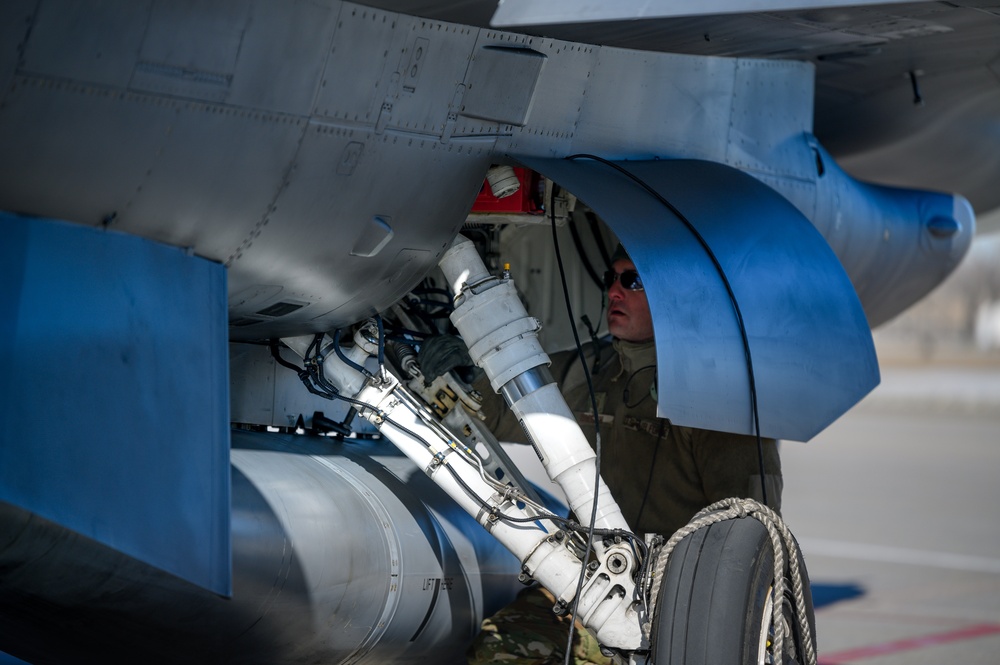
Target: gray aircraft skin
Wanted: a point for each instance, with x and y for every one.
(181, 181)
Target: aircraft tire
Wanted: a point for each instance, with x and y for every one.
(711, 608)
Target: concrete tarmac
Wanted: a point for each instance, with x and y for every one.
(896, 508)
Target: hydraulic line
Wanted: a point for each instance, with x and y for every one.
(503, 340)
(608, 604)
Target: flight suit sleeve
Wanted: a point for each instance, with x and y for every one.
(729, 466)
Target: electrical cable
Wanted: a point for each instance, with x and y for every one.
(312, 345)
(595, 342)
(598, 238)
(347, 361)
(652, 470)
(276, 354)
(729, 290)
(320, 377)
(431, 302)
(543, 514)
(570, 525)
(314, 373)
(313, 376)
(593, 405)
(587, 265)
(594, 274)
(303, 373)
(381, 341)
(628, 382)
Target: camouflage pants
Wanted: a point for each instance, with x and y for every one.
(526, 632)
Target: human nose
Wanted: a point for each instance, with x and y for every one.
(615, 291)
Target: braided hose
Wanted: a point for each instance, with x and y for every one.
(407, 358)
(781, 542)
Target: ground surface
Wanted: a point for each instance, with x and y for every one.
(896, 507)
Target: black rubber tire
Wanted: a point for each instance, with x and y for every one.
(711, 606)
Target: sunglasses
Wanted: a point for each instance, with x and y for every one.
(630, 279)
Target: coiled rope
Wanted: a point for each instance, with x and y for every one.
(781, 542)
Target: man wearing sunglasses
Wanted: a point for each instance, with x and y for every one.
(628, 311)
(660, 474)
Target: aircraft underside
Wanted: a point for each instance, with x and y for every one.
(204, 206)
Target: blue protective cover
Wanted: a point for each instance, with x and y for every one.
(114, 393)
(810, 344)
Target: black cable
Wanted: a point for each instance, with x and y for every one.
(598, 238)
(430, 301)
(276, 354)
(628, 382)
(578, 243)
(729, 289)
(304, 374)
(315, 373)
(347, 361)
(381, 340)
(314, 344)
(594, 340)
(320, 376)
(570, 525)
(593, 406)
(652, 468)
(313, 376)
(356, 402)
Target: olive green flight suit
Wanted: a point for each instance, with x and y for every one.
(659, 473)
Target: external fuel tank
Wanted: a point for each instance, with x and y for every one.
(343, 552)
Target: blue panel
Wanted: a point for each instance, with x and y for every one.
(114, 364)
(811, 346)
